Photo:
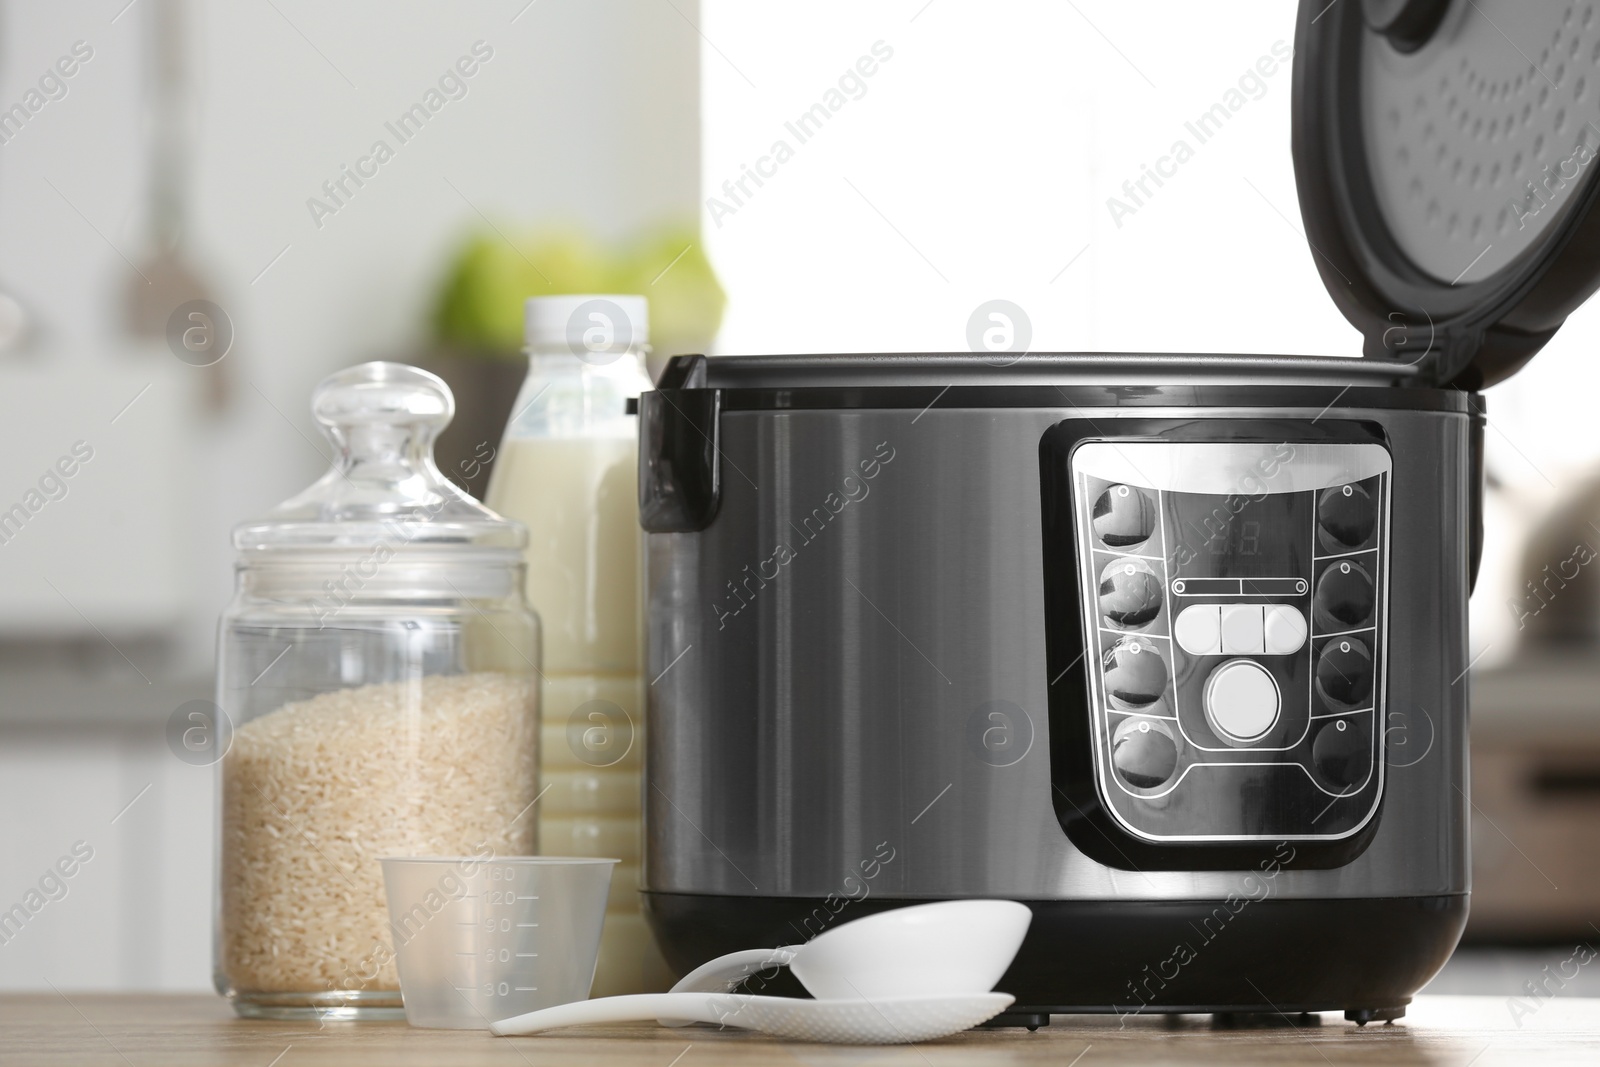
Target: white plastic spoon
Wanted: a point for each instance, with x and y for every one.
(950, 947)
(889, 1021)
(904, 975)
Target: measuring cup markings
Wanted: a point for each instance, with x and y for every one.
(524, 936)
(492, 924)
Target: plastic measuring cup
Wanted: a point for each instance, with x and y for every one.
(480, 938)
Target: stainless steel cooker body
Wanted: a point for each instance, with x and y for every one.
(1171, 648)
(862, 692)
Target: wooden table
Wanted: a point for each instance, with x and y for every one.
(187, 1031)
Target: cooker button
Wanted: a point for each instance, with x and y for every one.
(1241, 700)
(1130, 592)
(1144, 752)
(1124, 516)
(1199, 630)
(1345, 596)
(1346, 517)
(1284, 629)
(1344, 673)
(1241, 629)
(1342, 751)
(1134, 673)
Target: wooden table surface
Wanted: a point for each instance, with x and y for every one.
(188, 1031)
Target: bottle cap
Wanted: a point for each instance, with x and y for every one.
(597, 328)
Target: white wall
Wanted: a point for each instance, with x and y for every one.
(587, 113)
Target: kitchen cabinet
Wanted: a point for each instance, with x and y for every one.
(86, 774)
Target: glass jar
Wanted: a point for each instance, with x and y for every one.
(378, 668)
(568, 468)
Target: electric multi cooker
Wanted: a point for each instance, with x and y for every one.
(1171, 648)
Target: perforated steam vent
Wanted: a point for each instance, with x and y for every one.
(1480, 138)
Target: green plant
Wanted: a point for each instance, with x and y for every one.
(479, 307)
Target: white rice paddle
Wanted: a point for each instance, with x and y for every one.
(911, 974)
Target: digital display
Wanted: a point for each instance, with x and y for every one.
(1236, 538)
(1240, 536)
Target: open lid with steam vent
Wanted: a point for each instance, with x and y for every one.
(1445, 153)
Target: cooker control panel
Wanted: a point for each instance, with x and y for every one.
(1234, 606)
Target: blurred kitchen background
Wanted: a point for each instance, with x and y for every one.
(629, 145)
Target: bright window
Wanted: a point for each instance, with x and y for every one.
(976, 161)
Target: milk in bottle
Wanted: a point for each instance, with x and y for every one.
(567, 469)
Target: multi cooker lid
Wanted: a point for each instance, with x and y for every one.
(1445, 155)
(944, 370)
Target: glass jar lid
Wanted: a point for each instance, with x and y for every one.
(384, 487)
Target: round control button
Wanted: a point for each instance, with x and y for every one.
(1342, 752)
(1345, 596)
(1346, 517)
(1144, 752)
(1135, 675)
(1198, 629)
(1130, 592)
(1241, 629)
(1284, 629)
(1241, 700)
(1124, 516)
(1344, 673)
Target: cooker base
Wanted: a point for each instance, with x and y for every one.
(1281, 957)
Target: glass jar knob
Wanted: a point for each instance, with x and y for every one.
(382, 419)
(384, 413)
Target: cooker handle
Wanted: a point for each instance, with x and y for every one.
(680, 461)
